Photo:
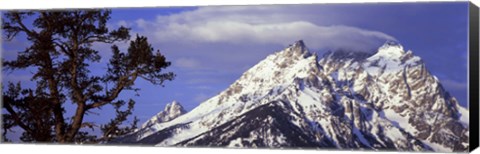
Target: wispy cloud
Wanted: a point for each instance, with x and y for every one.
(257, 25)
(234, 38)
(188, 63)
(280, 33)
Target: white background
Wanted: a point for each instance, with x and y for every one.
(58, 4)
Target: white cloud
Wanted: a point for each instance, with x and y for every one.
(234, 38)
(141, 23)
(258, 25)
(228, 40)
(188, 63)
(280, 33)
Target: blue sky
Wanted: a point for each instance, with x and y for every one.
(210, 47)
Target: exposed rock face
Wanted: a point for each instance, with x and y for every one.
(346, 100)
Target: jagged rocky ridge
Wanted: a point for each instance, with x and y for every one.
(346, 100)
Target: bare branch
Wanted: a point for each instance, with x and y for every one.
(123, 82)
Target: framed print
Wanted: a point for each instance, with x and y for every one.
(352, 76)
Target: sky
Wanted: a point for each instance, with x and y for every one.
(210, 47)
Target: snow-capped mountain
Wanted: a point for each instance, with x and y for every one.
(346, 100)
(171, 111)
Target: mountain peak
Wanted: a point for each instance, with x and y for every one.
(290, 99)
(299, 43)
(174, 108)
(171, 111)
(391, 48)
(298, 49)
(392, 43)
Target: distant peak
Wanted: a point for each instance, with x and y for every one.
(172, 110)
(298, 49)
(175, 103)
(299, 43)
(392, 44)
(174, 106)
(391, 48)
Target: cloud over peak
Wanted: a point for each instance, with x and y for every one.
(258, 25)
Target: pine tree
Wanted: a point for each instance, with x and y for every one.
(59, 56)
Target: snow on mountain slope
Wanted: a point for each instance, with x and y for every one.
(346, 100)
